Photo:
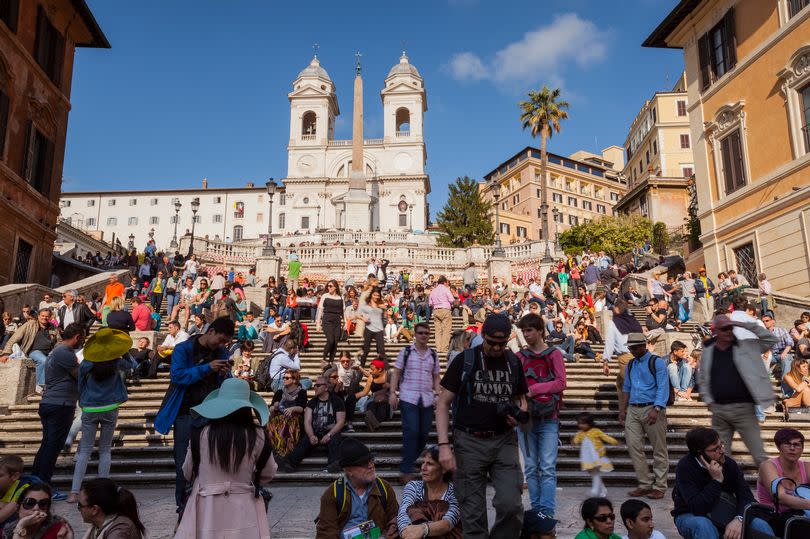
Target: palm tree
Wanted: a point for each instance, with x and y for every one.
(542, 114)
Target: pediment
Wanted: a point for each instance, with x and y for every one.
(402, 87)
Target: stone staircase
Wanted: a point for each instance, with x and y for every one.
(142, 456)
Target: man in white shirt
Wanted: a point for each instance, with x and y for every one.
(282, 359)
(536, 291)
(163, 352)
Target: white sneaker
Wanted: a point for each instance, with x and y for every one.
(603, 492)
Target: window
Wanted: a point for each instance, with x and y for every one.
(505, 228)
(572, 201)
(308, 125)
(282, 220)
(23, 261)
(733, 165)
(643, 208)
(795, 7)
(681, 108)
(655, 147)
(154, 220)
(133, 201)
(654, 115)
(746, 262)
(217, 200)
(91, 221)
(173, 220)
(557, 197)
(237, 233)
(111, 202)
(305, 223)
(153, 202)
(9, 9)
(197, 219)
(539, 195)
(4, 108)
(647, 154)
(586, 205)
(403, 219)
(112, 221)
(132, 221)
(573, 220)
(614, 196)
(259, 217)
(687, 172)
(217, 218)
(805, 103)
(640, 167)
(685, 141)
(403, 122)
(49, 48)
(717, 51)
(65, 203)
(600, 208)
(306, 200)
(282, 199)
(239, 210)
(521, 232)
(91, 203)
(38, 162)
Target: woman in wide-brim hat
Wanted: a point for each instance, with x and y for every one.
(222, 500)
(101, 393)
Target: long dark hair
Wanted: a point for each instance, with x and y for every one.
(112, 499)
(231, 438)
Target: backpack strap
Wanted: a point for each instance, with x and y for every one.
(383, 493)
(406, 355)
(339, 491)
(466, 376)
(261, 462)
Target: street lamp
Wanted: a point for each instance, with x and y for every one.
(410, 209)
(131, 243)
(152, 233)
(496, 195)
(556, 213)
(195, 207)
(269, 250)
(177, 206)
(318, 220)
(544, 211)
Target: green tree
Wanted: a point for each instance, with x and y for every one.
(542, 114)
(464, 220)
(614, 235)
(660, 238)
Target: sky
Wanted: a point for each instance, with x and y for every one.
(196, 89)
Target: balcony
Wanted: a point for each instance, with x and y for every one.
(403, 134)
(570, 188)
(308, 138)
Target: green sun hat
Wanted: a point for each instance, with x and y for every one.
(232, 395)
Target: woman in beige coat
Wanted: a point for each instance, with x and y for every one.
(224, 501)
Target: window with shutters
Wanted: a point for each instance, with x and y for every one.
(132, 221)
(38, 160)
(153, 202)
(217, 218)
(505, 228)
(795, 6)
(91, 221)
(111, 202)
(112, 221)
(282, 220)
(717, 51)
(238, 231)
(572, 201)
(133, 201)
(9, 10)
(521, 231)
(154, 220)
(217, 200)
(558, 217)
(49, 48)
(91, 203)
(681, 108)
(573, 220)
(586, 205)
(600, 208)
(174, 219)
(733, 161)
(685, 142)
(557, 197)
(614, 196)
(805, 118)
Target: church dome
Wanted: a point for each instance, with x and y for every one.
(314, 69)
(404, 67)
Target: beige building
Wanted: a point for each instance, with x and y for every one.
(748, 85)
(659, 159)
(582, 187)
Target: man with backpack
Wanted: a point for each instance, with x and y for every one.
(416, 376)
(271, 368)
(486, 388)
(645, 395)
(544, 367)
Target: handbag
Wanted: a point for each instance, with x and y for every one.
(425, 511)
(778, 520)
(723, 511)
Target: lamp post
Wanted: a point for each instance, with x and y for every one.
(318, 219)
(195, 207)
(271, 186)
(410, 209)
(496, 195)
(131, 243)
(556, 213)
(152, 233)
(177, 206)
(547, 255)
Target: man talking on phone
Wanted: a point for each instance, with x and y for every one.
(711, 493)
(199, 365)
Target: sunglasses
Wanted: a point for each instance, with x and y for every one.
(423, 333)
(286, 377)
(30, 503)
(605, 518)
(318, 385)
(496, 344)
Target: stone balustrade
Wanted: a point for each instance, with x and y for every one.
(14, 296)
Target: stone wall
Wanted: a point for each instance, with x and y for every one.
(14, 296)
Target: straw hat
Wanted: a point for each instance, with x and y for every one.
(107, 345)
(232, 395)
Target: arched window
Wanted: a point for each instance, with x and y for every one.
(237, 233)
(403, 121)
(309, 124)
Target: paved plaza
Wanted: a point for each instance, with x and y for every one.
(294, 508)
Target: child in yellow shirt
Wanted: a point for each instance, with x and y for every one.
(592, 452)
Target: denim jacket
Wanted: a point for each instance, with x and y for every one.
(95, 393)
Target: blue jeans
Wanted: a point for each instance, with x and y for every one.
(694, 527)
(171, 301)
(40, 358)
(786, 363)
(680, 375)
(416, 423)
(91, 422)
(690, 303)
(539, 448)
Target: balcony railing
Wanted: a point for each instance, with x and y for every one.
(307, 137)
(403, 134)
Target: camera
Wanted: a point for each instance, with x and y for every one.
(505, 409)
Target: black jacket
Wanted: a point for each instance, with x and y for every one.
(696, 492)
(82, 315)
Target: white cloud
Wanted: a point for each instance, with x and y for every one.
(541, 53)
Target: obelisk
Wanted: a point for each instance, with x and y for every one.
(358, 201)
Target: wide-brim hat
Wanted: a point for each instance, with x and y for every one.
(353, 452)
(634, 339)
(107, 345)
(534, 522)
(232, 395)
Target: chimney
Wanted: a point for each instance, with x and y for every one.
(250, 185)
(205, 183)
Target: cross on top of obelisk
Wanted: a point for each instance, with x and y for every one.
(358, 68)
(315, 48)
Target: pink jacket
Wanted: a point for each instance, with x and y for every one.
(142, 317)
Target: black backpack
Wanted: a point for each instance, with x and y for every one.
(651, 366)
(263, 378)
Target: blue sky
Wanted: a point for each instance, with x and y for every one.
(194, 89)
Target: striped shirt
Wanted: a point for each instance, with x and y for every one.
(416, 382)
(414, 491)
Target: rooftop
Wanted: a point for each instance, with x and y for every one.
(574, 164)
(658, 38)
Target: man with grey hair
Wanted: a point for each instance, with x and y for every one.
(68, 310)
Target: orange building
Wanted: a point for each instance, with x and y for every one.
(37, 43)
(748, 81)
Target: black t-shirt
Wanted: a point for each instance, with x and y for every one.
(652, 324)
(61, 387)
(727, 385)
(493, 380)
(139, 355)
(42, 341)
(324, 413)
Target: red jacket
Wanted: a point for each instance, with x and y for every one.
(538, 390)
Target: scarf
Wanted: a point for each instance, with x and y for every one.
(626, 323)
(288, 396)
